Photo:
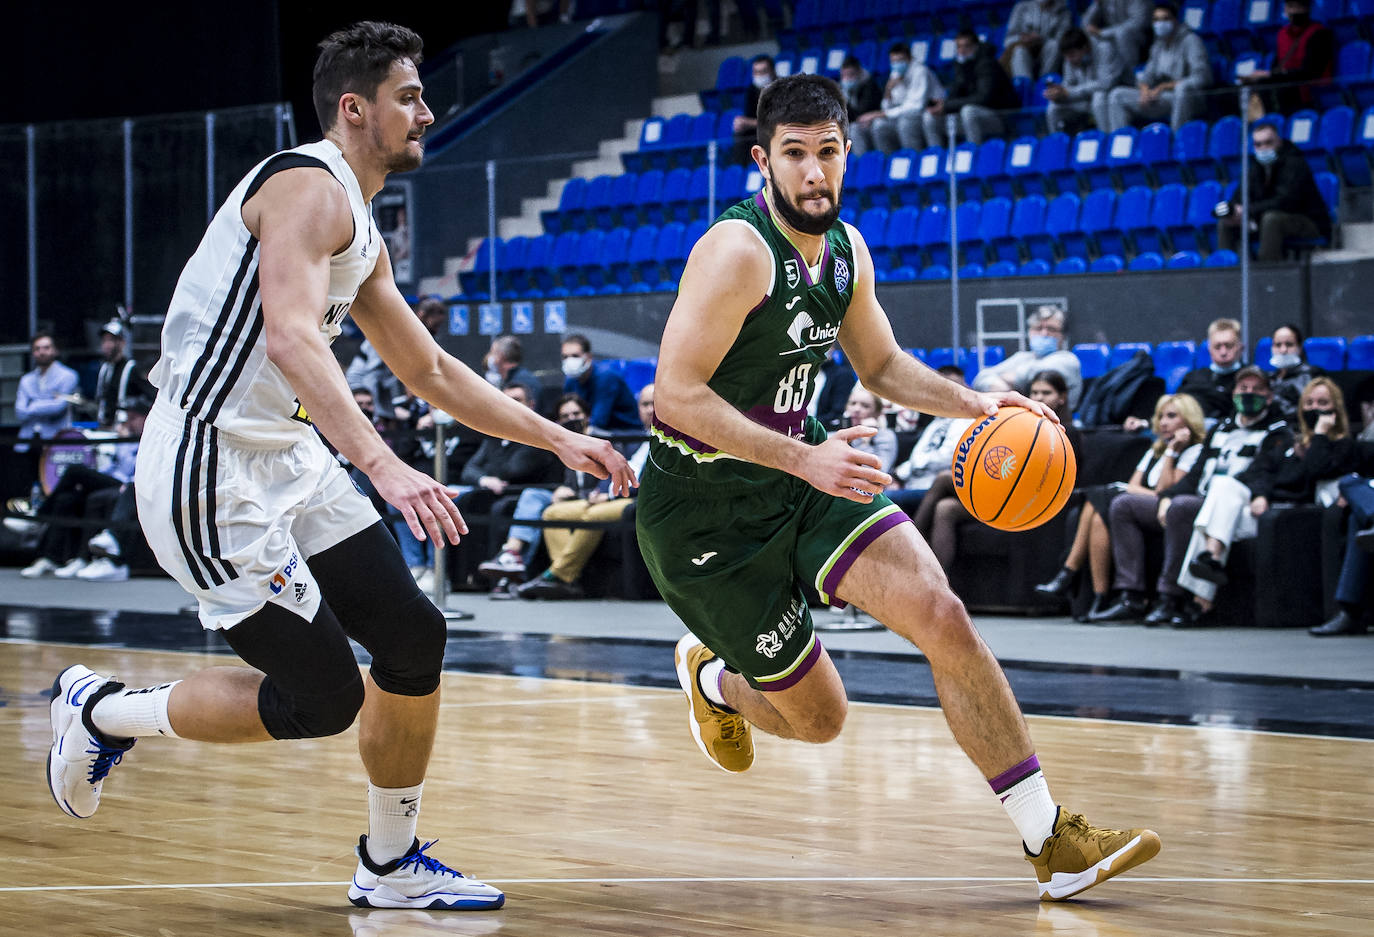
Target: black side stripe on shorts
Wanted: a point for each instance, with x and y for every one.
(207, 355)
(178, 479)
(252, 312)
(195, 486)
(211, 481)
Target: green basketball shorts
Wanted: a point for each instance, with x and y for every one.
(729, 559)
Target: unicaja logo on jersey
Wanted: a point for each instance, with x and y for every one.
(804, 332)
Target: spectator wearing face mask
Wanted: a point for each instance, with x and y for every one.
(764, 73)
(1211, 386)
(896, 121)
(861, 96)
(1033, 34)
(1092, 68)
(1123, 23)
(1292, 373)
(1171, 85)
(979, 91)
(1304, 52)
(1048, 352)
(612, 406)
(1284, 199)
(504, 365)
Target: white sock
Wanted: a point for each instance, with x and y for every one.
(392, 813)
(1032, 809)
(708, 678)
(134, 713)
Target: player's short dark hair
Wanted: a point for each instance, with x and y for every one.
(1052, 378)
(1073, 39)
(801, 99)
(899, 48)
(763, 58)
(1167, 5)
(358, 59)
(967, 33)
(572, 398)
(578, 339)
(43, 334)
(851, 61)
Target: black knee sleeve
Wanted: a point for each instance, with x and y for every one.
(366, 582)
(407, 647)
(309, 715)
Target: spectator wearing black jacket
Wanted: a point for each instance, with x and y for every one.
(980, 89)
(1284, 199)
(1304, 51)
(120, 378)
(1211, 386)
(861, 95)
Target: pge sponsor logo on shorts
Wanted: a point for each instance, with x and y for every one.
(961, 455)
(283, 575)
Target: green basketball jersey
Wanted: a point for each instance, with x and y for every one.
(769, 373)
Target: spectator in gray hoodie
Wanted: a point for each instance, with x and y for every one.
(897, 121)
(1092, 68)
(1174, 78)
(1033, 34)
(1123, 23)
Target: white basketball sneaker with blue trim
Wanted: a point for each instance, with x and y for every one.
(416, 880)
(81, 755)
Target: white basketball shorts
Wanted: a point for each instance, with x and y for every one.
(234, 521)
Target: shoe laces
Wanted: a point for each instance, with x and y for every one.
(419, 860)
(106, 757)
(732, 728)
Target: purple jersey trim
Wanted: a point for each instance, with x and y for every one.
(690, 441)
(789, 424)
(801, 670)
(851, 552)
(1014, 775)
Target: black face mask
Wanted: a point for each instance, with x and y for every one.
(1300, 20)
(1310, 417)
(1249, 404)
(576, 426)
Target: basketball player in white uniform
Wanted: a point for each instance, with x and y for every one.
(243, 505)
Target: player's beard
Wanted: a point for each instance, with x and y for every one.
(799, 220)
(405, 159)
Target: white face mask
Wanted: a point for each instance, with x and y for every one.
(1164, 28)
(1290, 360)
(762, 81)
(575, 366)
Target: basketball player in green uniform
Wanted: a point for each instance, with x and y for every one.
(743, 496)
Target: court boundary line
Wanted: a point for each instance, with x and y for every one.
(714, 880)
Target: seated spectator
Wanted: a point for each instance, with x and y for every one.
(1171, 85)
(979, 91)
(1358, 556)
(1124, 23)
(504, 365)
(511, 563)
(90, 494)
(43, 403)
(1092, 68)
(1292, 373)
(1323, 452)
(433, 314)
(1178, 431)
(1033, 34)
(1211, 386)
(862, 96)
(119, 377)
(897, 120)
(834, 381)
(613, 407)
(1304, 52)
(746, 125)
(1045, 331)
(571, 549)
(865, 408)
(368, 372)
(1284, 199)
(1255, 427)
(941, 512)
(932, 454)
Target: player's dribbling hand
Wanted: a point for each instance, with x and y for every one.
(838, 469)
(597, 456)
(1010, 398)
(425, 504)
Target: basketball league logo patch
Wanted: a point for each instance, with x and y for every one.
(999, 462)
(793, 273)
(841, 274)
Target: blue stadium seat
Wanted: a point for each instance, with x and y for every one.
(538, 255)
(649, 196)
(1360, 353)
(1167, 211)
(989, 160)
(1194, 13)
(1224, 18)
(1070, 266)
(873, 226)
(941, 357)
(1354, 159)
(1051, 158)
(1302, 130)
(1352, 66)
(1221, 259)
(641, 257)
(1326, 352)
(903, 274)
(1092, 356)
(1027, 221)
(476, 280)
(1122, 163)
(615, 261)
(1035, 267)
(900, 177)
(1264, 349)
(1336, 129)
(1132, 211)
(1107, 263)
(1002, 268)
(668, 250)
(1125, 351)
(1018, 164)
(935, 272)
(570, 202)
(1150, 260)
(995, 222)
(1223, 145)
(621, 206)
(729, 186)
(967, 227)
(932, 235)
(675, 197)
(971, 271)
(932, 175)
(597, 202)
(1184, 260)
(1169, 356)
(510, 273)
(970, 187)
(1190, 150)
(901, 234)
(1203, 357)
(867, 174)
(1087, 155)
(1097, 213)
(639, 373)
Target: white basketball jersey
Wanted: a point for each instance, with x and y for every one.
(214, 361)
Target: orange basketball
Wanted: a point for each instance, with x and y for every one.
(1014, 470)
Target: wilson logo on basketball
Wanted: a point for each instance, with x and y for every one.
(999, 462)
(961, 455)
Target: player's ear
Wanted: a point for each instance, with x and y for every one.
(351, 106)
(760, 158)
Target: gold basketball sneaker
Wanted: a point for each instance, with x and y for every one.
(724, 737)
(1078, 856)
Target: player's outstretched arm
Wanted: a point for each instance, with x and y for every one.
(889, 372)
(726, 276)
(445, 382)
(301, 217)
